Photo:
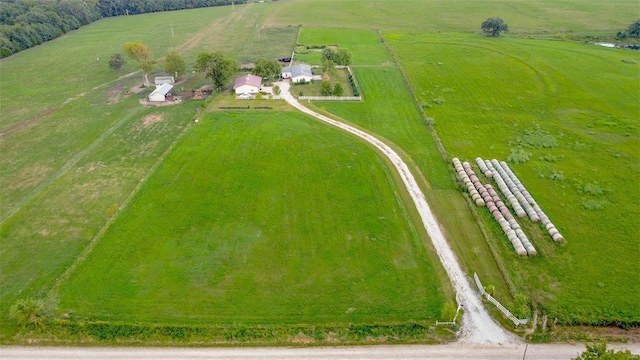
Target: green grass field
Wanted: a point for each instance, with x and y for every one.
(261, 218)
(103, 216)
(503, 94)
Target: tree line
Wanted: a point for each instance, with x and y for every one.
(27, 23)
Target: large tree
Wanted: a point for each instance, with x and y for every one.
(174, 64)
(216, 66)
(140, 53)
(634, 29)
(267, 68)
(493, 26)
(340, 57)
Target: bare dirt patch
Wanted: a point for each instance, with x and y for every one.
(152, 119)
(113, 94)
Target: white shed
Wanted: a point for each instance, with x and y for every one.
(160, 92)
(159, 80)
(248, 85)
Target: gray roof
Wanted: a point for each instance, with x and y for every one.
(298, 70)
(163, 89)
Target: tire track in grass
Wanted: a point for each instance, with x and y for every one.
(52, 294)
(55, 108)
(55, 176)
(478, 327)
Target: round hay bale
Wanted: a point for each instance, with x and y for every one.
(531, 251)
(521, 213)
(514, 223)
(549, 225)
(557, 237)
(479, 202)
(535, 218)
(553, 231)
(492, 207)
(521, 251)
(497, 215)
(474, 178)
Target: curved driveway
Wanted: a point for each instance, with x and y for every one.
(478, 327)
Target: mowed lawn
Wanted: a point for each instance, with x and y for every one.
(574, 108)
(261, 218)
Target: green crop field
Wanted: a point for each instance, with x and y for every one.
(135, 224)
(261, 218)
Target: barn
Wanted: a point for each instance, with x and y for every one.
(247, 85)
(297, 73)
(160, 93)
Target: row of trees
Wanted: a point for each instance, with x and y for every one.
(27, 23)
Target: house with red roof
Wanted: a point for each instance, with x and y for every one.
(247, 85)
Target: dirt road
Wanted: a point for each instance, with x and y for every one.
(478, 327)
(436, 352)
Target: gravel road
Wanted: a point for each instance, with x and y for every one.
(478, 327)
(435, 352)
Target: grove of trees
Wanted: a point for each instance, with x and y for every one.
(267, 68)
(27, 23)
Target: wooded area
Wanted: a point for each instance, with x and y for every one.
(24, 23)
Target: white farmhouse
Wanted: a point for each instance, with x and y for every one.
(297, 73)
(160, 93)
(248, 85)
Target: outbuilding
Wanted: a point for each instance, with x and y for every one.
(247, 85)
(160, 93)
(159, 80)
(297, 73)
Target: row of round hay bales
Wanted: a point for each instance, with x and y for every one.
(468, 177)
(483, 168)
(518, 197)
(504, 218)
(502, 185)
(542, 217)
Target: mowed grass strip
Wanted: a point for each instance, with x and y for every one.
(573, 108)
(261, 218)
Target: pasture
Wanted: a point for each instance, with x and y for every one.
(574, 109)
(261, 218)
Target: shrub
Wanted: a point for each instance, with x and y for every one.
(28, 312)
(518, 156)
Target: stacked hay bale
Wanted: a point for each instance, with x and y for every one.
(507, 222)
(518, 197)
(468, 177)
(528, 199)
(502, 185)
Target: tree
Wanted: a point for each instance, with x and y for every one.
(343, 57)
(267, 68)
(216, 66)
(338, 90)
(140, 53)
(634, 29)
(328, 66)
(28, 312)
(174, 64)
(325, 88)
(599, 351)
(116, 62)
(277, 90)
(493, 26)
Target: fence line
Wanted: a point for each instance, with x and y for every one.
(333, 98)
(504, 310)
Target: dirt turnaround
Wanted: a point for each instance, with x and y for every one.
(478, 327)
